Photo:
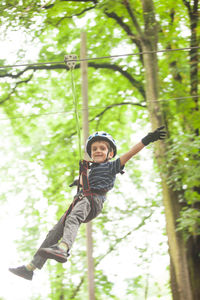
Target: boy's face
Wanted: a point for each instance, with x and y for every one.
(99, 152)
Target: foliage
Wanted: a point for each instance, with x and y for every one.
(38, 101)
(189, 222)
(185, 172)
(184, 178)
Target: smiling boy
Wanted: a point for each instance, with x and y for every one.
(101, 147)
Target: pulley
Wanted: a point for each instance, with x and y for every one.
(70, 61)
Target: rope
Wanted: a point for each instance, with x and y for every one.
(75, 101)
(91, 107)
(97, 58)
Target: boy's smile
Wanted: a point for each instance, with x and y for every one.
(100, 152)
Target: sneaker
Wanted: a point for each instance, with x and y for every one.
(22, 272)
(54, 252)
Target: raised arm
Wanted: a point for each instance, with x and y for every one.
(134, 150)
(158, 134)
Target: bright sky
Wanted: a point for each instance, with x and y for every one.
(11, 220)
(11, 45)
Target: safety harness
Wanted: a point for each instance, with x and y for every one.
(83, 190)
(84, 166)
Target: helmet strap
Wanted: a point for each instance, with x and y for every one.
(107, 158)
(109, 151)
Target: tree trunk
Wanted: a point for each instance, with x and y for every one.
(193, 245)
(180, 281)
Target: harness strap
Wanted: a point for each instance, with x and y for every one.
(83, 170)
(83, 173)
(84, 166)
(76, 199)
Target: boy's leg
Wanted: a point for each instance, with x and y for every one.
(82, 212)
(73, 221)
(38, 261)
(53, 236)
(96, 207)
(71, 225)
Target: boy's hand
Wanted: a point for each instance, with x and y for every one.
(158, 134)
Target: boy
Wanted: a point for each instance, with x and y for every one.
(101, 147)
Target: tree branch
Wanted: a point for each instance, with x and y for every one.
(137, 84)
(114, 105)
(13, 90)
(111, 248)
(133, 18)
(195, 7)
(35, 68)
(99, 115)
(76, 290)
(124, 26)
(46, 6)
(127, 75)
(94, 1)
(187, 4)
(75, 15)
(119, 20)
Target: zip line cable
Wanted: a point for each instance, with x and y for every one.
(96, 58)
(90, 107)
(75, 101)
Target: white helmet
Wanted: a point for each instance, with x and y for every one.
(100, 135)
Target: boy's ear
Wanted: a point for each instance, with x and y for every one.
(111, 154)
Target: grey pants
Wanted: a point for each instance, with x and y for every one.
(66, 229)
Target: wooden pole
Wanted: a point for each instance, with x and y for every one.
(84, 75)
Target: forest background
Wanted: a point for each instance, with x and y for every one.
(151, 219)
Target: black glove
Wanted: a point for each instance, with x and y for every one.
(158, 134)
